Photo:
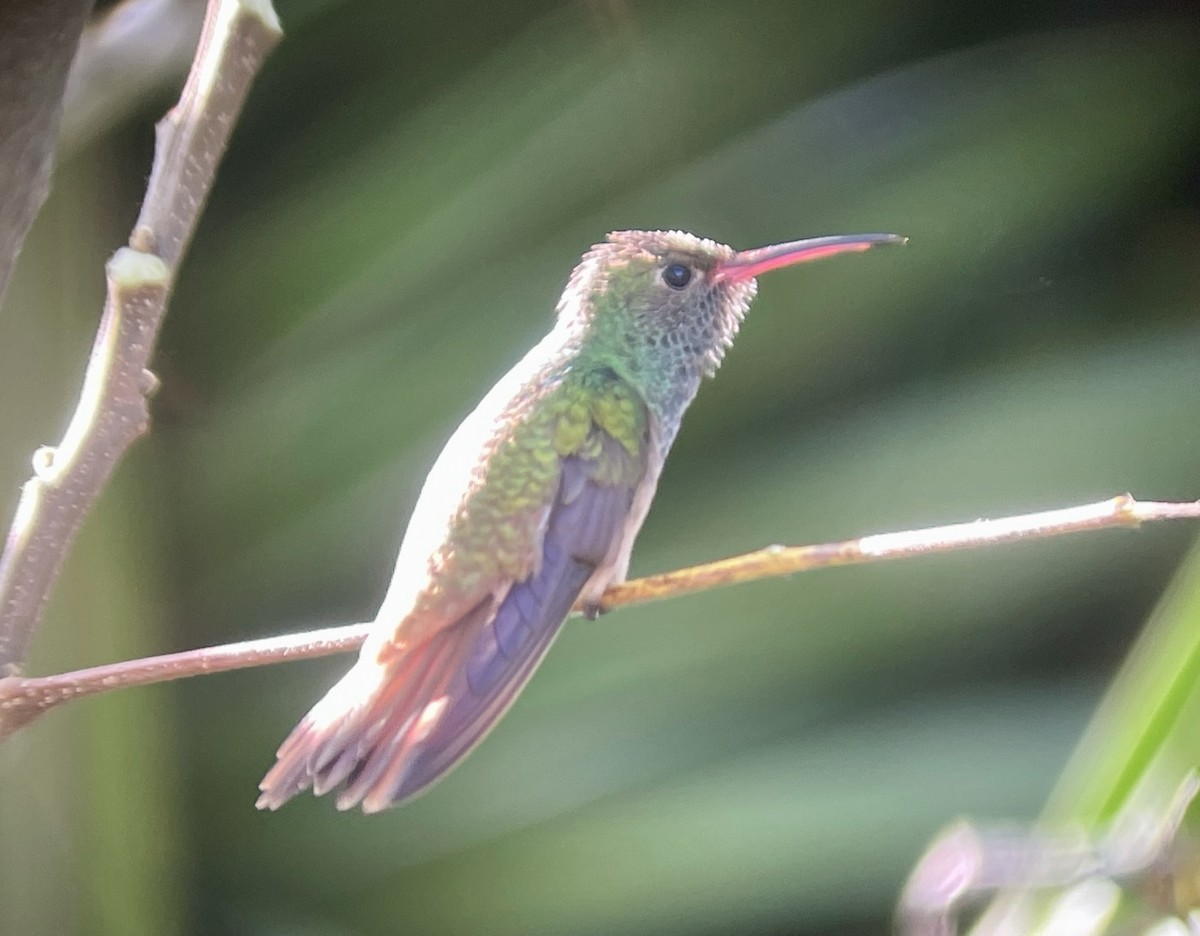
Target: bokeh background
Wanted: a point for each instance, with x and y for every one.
(404, 198)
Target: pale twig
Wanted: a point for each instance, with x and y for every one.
(21, 700)
(773, 561)
(112, 410)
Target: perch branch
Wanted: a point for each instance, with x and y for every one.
(22, 700)
(112, 411)
(773, 561)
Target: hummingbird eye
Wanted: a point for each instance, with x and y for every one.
(677, 275)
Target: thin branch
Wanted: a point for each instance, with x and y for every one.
(22, 700)
(190, 140)
(112, 411)
(773, 561)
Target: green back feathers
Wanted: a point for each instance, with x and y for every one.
(495, 532)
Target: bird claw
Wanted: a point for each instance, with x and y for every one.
(593, 609)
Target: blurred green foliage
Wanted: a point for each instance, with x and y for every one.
(408, 189)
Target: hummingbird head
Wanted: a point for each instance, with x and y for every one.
(665, 305)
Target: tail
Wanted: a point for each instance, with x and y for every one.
(387, 732)
(366, 729)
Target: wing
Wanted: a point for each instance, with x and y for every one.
(399, 722)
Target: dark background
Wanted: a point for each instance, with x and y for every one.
(403, 200)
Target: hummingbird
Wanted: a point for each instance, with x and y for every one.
(532, 507)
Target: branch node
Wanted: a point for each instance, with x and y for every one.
(149, 383)
(143, 239)
(43, 463)
(130, 268)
